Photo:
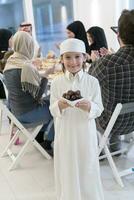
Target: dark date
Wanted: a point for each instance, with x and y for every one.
(72, 95)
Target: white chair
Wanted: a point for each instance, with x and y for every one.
(30, 131)
(2, 101)
(103, 142)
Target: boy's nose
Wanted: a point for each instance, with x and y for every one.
(73, 61)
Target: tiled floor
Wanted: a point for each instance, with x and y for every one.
(34, 177)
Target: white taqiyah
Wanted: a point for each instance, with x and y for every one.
(72, 45)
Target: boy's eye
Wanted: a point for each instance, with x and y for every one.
(77, 56)
(67, 57)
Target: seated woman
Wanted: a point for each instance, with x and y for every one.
(26, 86)
(97, 39)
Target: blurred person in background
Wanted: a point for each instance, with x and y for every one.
(98, 42)
(97, 38)
(5, 46)
(5, 41)
(27, 27)
(115, 73)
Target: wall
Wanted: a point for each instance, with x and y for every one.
(104, 13)
(4, 14)
(18, 13)
(11, 14)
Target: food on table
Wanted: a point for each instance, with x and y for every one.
(50, 55)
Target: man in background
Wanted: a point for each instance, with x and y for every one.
(115, 73)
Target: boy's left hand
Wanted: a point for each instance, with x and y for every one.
(84, 105)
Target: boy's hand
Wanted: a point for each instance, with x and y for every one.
(63, 104)
(84, 105)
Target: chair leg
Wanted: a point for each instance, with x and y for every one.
(19, 156)
(1, 112)
(10, 130)
(4, 153)
(39, 147)
(113, 166)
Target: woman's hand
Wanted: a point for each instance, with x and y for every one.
(84, 105)
(63, 104)
(37, 63)
(49, 71)
(95, 55)
(104, 51)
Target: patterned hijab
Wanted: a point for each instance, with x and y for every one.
(79, 31)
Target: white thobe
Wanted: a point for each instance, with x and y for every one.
(76, 163)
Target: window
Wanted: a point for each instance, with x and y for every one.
(51, 18)
(11, 14)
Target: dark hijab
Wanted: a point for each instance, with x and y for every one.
(79, 31)
(98, 37)
(5, 35)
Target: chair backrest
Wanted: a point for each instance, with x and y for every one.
(127, 108)
(120, 109)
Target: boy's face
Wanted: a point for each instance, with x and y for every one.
(73, 62)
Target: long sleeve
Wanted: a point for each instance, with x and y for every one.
(96, 101)
(54, 108)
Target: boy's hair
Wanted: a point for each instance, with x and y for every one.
(126, 26)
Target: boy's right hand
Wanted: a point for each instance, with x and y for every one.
(63, 104)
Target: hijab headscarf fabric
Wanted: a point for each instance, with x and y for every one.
(79, 31)
(23, 46)
(99, 38)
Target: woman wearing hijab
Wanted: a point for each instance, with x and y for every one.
(5, 44)
(27, 27)
(97, 39)
(26, 86)
(5, 41)
(77, 30)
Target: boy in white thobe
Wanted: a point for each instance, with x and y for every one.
(77, 174)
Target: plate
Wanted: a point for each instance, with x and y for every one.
(72, 103)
